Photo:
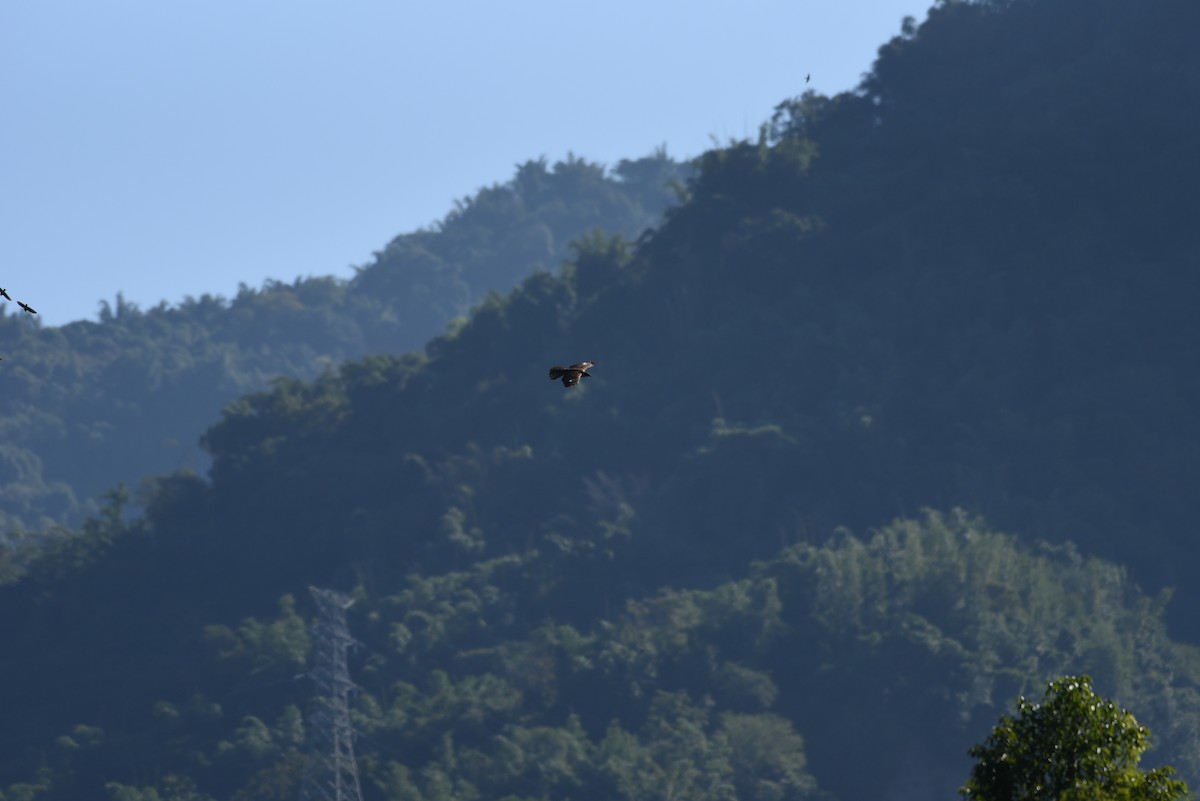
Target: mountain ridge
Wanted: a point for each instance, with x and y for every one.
(94, 403)
(657, 568)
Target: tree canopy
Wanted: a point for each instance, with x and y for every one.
(1071, 746)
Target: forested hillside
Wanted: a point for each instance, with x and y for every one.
(706, 571)
(91, 404)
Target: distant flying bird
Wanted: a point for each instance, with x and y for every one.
(4, 292)
(27, 307)
(808, 77)
(570, 375)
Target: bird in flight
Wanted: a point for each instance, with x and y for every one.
(27, 307)
(570, 375)
(808, 77)
(4, 292)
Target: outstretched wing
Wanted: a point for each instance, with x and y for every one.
(583, 367)
(557, 372)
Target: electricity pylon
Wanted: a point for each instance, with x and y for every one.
(330, 773)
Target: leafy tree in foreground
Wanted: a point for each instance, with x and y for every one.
(1074, 746)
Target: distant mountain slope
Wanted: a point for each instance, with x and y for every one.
(1009, 202)
(852, 319)
(90, 404)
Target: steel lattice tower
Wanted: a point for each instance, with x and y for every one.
(331, 774)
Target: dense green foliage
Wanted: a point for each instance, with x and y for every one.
(90, 404)
(1073, 746)
(864, 663)
(925, 294)
(1008, 203)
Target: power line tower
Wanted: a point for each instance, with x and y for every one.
(330, 773)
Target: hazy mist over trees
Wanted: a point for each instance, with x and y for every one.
(88, 405)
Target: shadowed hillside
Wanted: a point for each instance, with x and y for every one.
(90, 404)
(934, 292)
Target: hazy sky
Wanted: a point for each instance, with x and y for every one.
(164, 149)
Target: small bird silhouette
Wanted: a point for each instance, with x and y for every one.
(808, 77)
(27, 307)
(570, 375)
(4, 292)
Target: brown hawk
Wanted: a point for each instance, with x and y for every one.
(570, 375)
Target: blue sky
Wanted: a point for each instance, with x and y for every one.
(164, 149)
